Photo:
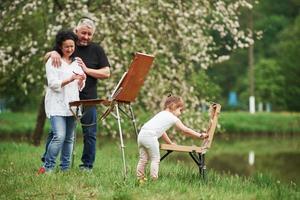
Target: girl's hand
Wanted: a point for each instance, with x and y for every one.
(203, 135)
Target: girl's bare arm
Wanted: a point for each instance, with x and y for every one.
(166, 138)
(189, 131)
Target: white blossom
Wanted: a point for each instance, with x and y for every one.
(175, 32)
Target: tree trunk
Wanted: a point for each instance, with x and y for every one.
(251, 59)
(40, 123)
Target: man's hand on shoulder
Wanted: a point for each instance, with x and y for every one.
(56, 58)
(81, 64)
(101, 73)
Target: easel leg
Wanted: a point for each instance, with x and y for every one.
(202, 167)
(73, 150)
(168, 152)
(121, 140)
(133, 120)
(200, 161)
(74, 143)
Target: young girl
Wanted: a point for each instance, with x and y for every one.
(154, 129)
(64, 84)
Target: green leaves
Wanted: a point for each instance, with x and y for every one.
(179, 34)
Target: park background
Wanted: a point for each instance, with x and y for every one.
(206, 51)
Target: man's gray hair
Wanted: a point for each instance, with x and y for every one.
(87, 22)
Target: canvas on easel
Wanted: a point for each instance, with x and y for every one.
(135, 77)
(129, 85)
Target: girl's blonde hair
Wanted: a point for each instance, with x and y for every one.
(173, 102)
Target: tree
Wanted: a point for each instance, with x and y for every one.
(288, 51)
(270, 18)
(269, 83)
(182, 35)
(28, 31)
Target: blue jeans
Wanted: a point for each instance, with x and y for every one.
(89, 119)
(49, 138)
(63, 139)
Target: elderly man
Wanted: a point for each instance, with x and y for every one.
(92, 59)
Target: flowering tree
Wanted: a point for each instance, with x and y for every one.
(28, 31)
(184, 36)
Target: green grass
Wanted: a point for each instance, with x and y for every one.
(270, 123)
(263, 145)
(20, 125)
(19, 163)
(242, 123)
(17, 124)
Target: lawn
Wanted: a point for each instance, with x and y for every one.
(21, 125)
(178, 179)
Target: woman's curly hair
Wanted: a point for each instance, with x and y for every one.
(62, 36)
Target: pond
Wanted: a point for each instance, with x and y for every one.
(271, 156)
(282, 166)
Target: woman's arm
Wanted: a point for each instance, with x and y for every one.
(70, 79)
(52, 78)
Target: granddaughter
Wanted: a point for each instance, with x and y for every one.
(155, 128)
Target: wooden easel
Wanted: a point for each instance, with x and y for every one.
(123, 95)
(200, 150)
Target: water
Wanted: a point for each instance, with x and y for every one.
(282, 166)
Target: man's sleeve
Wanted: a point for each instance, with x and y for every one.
(103, 60)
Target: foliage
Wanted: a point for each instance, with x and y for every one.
(271, 17)
(229, 76)
(28, 31)
(183, 36)
(203, 88)
(271, 26)
(269, 82)
(288, 51)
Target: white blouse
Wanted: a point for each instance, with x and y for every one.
(57, 98)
